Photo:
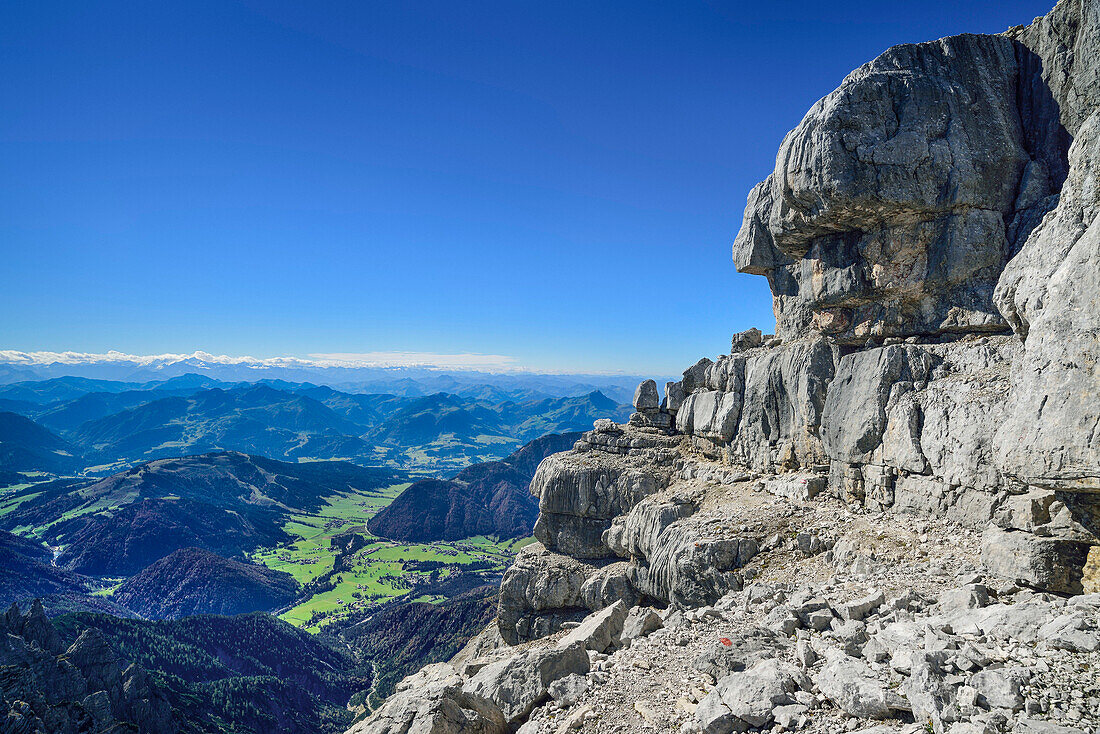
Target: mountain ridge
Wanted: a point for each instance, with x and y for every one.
(224, 502)
(195, 581)
(484, 499)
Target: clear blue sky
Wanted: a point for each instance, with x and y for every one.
(555, 181)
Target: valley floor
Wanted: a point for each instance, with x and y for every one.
(376, 571)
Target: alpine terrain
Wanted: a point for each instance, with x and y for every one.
(884, 516)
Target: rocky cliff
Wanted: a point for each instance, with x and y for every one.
(931, 240)
(45, 687)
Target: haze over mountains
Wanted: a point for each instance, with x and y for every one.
(350, 373)
(81, 423)
(164, 511)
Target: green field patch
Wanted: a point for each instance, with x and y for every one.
(309, 556)
(7, 506)
(108, 590)
(383, 570)
(379, 571)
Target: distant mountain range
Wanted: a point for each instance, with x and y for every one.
(223, 502)
(484, 499)
(347, 375)
(27, 446)
(80, 423)
(256, 419)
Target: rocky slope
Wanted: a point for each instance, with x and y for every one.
(252, 673)
(399, 639)
(884, 517)
(47, 687)
(484, 499)
(196, 581)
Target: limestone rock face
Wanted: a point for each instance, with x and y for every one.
(516, 684)
(931, 239)
(859, 396)
(766, 404)
(896, 202)
(784, 398)
(542, 590)
(677, 557)
(579, 496)
(1051, 294)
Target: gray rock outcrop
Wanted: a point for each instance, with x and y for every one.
(47, 688)
(931, 240)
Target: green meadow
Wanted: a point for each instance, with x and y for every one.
(379, 571)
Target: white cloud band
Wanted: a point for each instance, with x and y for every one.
(497, 362)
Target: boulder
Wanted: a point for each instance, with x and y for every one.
(748, 699)
(860, 608)
(902, 232)
(1050, 564)
(1035, 726)
(745, 649)
(1001, 688)
(541, 590)
(646, 397)
(639, 622)
(519, 683)
(748, 339)
(851, 685)
(674, 396)
(433, 700)
(568, 689)
(599, 630)
(579, 495)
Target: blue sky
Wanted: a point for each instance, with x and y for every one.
(556, 182)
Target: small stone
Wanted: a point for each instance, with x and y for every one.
(863, 606)
(569, 689)
(575, 720)
(820, 620)
(646, 712)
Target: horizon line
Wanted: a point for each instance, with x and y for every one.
(382, 360)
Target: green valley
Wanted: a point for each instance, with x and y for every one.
(345, 569)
